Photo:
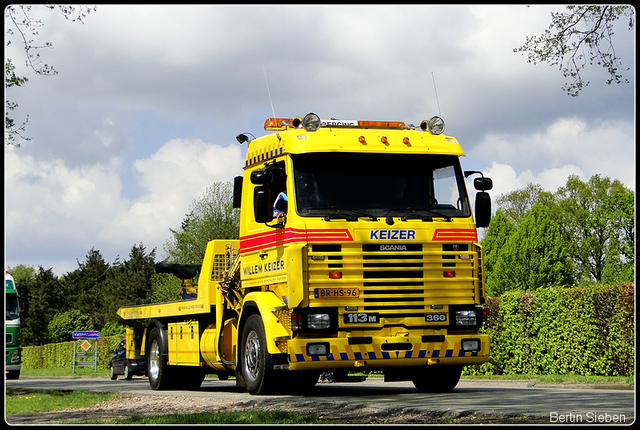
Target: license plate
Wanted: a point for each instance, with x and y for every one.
(335, 293)
(352, 318)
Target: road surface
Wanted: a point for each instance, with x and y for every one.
(472, 401)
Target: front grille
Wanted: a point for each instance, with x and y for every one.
(396, 281)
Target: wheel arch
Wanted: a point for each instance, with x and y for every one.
(162, 334)
(264, 303)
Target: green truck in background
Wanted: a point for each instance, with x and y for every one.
(12, 329)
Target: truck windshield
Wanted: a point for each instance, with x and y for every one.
(348, 185)
(12, 307)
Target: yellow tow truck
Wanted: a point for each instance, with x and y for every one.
(357, 252)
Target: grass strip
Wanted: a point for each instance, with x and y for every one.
(18, 400)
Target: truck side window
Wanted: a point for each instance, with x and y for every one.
(281, 205)
(270, 195)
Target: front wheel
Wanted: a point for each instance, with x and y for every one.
(437, 379)
(255, 361)
(13, 374)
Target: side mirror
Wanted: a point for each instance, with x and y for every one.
(262, 177)
(237, 191)
(483, 209)
(482, 184)
(262, 203)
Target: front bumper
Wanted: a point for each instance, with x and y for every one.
(383, 352)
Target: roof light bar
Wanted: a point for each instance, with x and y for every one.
(281, 123)
(312, 122)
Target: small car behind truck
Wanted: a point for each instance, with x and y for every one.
(121, 365)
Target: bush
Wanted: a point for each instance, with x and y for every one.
(63, 325)
(59, 355)
(576, 331)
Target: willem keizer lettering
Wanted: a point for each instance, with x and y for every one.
(264, 268)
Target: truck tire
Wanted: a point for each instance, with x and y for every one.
(189, 378)
(12, 374)
(256, 364)
(437, 379)
(159, 372)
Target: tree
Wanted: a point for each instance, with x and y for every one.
(129, 282)
(62, 325)
(88, 287)
(494, 241)
(580, 37)
(19, 22)
(44, 295)
(210, 217)
(594, 223)
(88, 297)
(596, 220)
(13, 133)
(532, 257)
(515, 205)
(620, 263)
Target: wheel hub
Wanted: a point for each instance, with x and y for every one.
(252, 355)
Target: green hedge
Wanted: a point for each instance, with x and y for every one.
(554, 331)
(561, 331)
(58, 355)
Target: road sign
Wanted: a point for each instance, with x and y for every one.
(86, 334)
(86, 345)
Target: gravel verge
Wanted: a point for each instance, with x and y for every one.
(127, 405)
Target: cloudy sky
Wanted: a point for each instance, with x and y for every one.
(143, 113)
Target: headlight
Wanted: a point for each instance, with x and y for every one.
(318, 321)
(311, 122)
(466, 318)
(15, 356)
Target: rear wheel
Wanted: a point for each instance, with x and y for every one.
(189, 378)
(160, 377)
(437, 379)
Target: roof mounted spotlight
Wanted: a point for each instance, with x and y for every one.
(311, 122)
(435, 125)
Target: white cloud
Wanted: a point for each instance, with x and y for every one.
(568, 146)
(136, 124)
(506, 179)
(72, 209)
(178, 173)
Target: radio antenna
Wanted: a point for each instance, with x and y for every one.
(433, 77)
(273, 111)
